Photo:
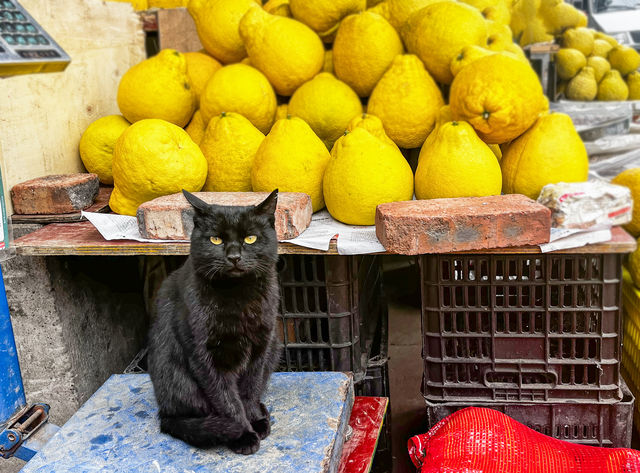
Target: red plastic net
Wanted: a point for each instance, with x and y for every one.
(478, 440)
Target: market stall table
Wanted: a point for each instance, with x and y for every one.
(78, 239)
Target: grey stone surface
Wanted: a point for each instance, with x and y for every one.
(76, 320)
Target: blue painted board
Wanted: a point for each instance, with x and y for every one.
(117, 430)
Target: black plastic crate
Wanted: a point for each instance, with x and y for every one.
(331, 311)
(522, 327)
(595, 424)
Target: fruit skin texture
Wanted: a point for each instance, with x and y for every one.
(364, 172)
(327, 105)
(624, 59)
(599, 65)
(200, 68)
(399, 11)
(456, 163)
(569, 62)
(97, 143)
(196, 127)
(364, 47)
(230, 144)
(217, 25)
(292, 159)
(158, 87)
(601, 48)
(438, 32)
(242, 89)
(153, 158)
(499, 96)
(631, 178)
(278, 7)
(583, 86)
(373, 125)
(407, 100)
(550, 151)
(323, 15)
(288, 52)
(612, 87)
(466, 56)
(633, 82)
(580, 39)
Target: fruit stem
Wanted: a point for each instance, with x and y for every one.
(486, 115)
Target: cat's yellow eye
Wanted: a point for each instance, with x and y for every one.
(216, 240)
(250, 240)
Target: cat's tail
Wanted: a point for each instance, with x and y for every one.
(202, 432)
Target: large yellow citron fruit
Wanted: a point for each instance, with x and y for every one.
(444, 116)
(217, 25)
(466, 56)
(633, 82)
(327, 105)
(601, 48)
(438, 32)
(292, 159)
(200, 68)
(399, 11)
(288, 52)
(550, 151)
(612, 87)
(196, 127)
(324, 15)
(499, 36)
(579, 38)
(569, 61)
(624, 59)
(364, 47)
(373, 125)
(230, 144)
(407, 100)
(153, 158)
(499, 96)
(158, 87)
(631, 179)
(97, 143)
(242, 89)
(599, 65)
(583, 86)
(364, 172)
(278, 7)
(456, 163)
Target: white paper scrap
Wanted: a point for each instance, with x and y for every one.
(352, 239)
(576, 239)
(119, 227)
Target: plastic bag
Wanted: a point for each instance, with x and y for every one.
(479, 440)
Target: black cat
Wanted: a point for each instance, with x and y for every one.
(213, 344)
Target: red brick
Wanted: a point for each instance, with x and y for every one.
(171, 217)
(58, 194)
(470, 223)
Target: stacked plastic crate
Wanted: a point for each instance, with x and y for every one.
(333, 317)
(538, 337)
(631, 347)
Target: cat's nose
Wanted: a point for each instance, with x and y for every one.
(234, 258)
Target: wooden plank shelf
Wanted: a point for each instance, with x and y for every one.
(81, 238)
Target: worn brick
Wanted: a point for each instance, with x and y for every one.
(463, 224)
(171, 217)
(57, 194)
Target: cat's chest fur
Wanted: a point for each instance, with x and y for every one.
(237, 334)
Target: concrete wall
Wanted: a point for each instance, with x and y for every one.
(77, 320)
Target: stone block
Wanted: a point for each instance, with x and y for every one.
(56, 194)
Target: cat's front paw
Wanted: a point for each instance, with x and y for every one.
(247, 444)
(262, 427)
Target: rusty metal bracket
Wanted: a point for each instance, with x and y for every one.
(21, 426)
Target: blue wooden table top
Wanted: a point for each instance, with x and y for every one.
(117, 430)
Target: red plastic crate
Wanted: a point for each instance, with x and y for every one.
(522, 327)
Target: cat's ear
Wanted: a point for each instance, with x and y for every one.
(268, 205)
(198, 204)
